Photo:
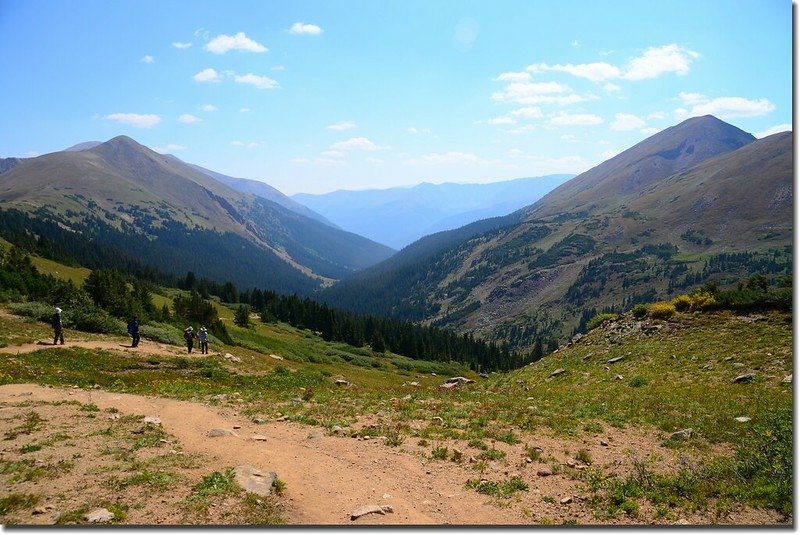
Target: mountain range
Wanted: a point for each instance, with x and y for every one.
(701, 201)
(144, 209)
(399, 216)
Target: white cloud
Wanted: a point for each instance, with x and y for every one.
(624, 122)
(611, 88)
(657, 116)
(332, 154)
(731, 107)
(135, 119)
(261, 82)
(529, 112)
(414, 130)
(514, 153)
(575, 119)
(209, 108)
(181, 46)
(188, 118)
(503, 119)
(301, 28)
(447, 158)
(356, 143)
(147, 59)
(342, 125)
(596, 72)
(222, 44)
(249, 145)
(656, 61)
(244, 110)
(513, 77)
(522, 91)
(691, 98)
(171, 147)
(524, 129)
(373, 160)
(785, 127)
(207, 75)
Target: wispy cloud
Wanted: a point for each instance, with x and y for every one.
(135, 119)
(188, 118)
(445, 158)
(170, 147)
(223, 44)
(722, 107)
(181, 46)
(209, 107)
(260, 82)
(786, 127)
(245, 144)
(575, 119)
(343, 125)
(302, 28)
(656, 61)
(207, 75)
(356, 143)
(147, 59)
(624, 122)
(596, 72)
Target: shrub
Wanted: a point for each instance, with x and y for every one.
(639, 311)
(682, 303)
(662, 310)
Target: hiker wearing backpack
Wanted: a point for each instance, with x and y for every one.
(58, 327)
(203, 337)
(133, 330)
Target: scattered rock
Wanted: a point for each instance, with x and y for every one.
(314, 435)
(98, 515)
(558, 372)
(220, 432)
(276, 357)
(744, 378)
(341, 382)
(787, 379)
(254, 480)
(615, 359)
(220, 397)
(742, 419)
(369, 509)
(684, 434)
(155, 420)
(604, 443)
(484, 375)
(618, 377)
(454, 382)
(544, 472)
(337, 429)
(259, 438)
(42, 509)
(566, 500)
(232, 358)
(438, 419)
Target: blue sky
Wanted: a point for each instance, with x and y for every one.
(315, 96)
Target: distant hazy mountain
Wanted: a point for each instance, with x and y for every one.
(399, 216)
(119, 202)
(701, 201)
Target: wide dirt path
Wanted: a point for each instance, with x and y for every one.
(327, 477)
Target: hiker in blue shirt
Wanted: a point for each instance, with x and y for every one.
(133, 330)
(203, 337)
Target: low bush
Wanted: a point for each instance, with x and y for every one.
(598, 320)
(661, 310)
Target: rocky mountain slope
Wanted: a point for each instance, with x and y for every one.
(164, 214)
(697, 202)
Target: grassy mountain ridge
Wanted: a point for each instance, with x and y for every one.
(676, 210)
(129, 190)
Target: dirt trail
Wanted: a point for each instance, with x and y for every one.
(326, 477)
(144, 347)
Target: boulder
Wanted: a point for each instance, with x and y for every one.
(254, 480)
(456, 382)
(744, 378)
(98, 515)
(369, 509)
(557, 372)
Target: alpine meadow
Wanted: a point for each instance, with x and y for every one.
(349, 264)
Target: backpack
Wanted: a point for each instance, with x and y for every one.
(131, 328)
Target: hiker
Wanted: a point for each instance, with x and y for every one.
(189, 336)
(203, 337)
(58, 327)
(133, 330)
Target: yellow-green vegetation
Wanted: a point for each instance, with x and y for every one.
(60, 271)
(660, 375)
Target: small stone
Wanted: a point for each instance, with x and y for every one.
(566, 500)
(604, 443)
(336, 430)
(259, 438)
(557, 372)
(368, 509)
(787, 379)
(742, 419)
(99, 515)
(683, 434)
(254, 480)
(744, 378)
(544, 472)
(155, 420)
(615, 359)
(220, 432)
